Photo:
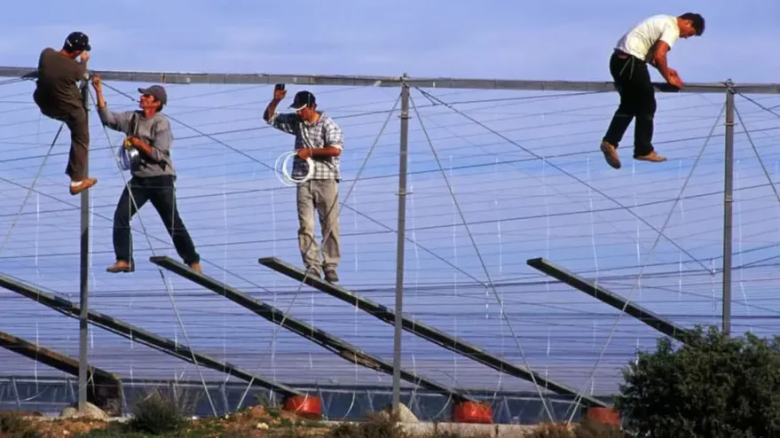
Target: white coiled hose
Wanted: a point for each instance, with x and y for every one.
(285, 177)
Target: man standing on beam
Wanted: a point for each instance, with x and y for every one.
(149, 132)
(58, 97)
(317, 137)
(647, 42)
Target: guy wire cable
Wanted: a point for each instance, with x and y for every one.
(755, 151)
(644, 265)
(482, 262)
(560, 169)
(30, 189)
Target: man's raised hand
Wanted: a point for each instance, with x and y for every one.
(279, 94)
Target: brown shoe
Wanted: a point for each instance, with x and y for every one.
(196, 267)
(82, 185)
(120, 266)
(610, 154)
(652, 157)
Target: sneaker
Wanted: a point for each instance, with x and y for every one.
(331, 276)
(653, 157)
(82, 185)
(120, 266)
(196, 267)
(610, 154)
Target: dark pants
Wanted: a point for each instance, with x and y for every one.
(637, 100)
(75, 117)
(161, 192)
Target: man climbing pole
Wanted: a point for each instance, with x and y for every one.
(317, 137)
(647, 42)
(149, 132)
(58, 97)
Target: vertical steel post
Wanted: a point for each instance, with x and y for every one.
(84, 273)
(727, 208)
(399, 273)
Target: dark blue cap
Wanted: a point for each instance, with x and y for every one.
(77, 41)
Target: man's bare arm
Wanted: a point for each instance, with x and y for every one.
(660, 62)
(327, 151)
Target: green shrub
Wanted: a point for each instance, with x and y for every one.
(713, 386)
(14, 425)
(159, 412)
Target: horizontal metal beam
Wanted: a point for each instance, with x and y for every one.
(105, 389)
(607, 297)
(140, 335)
(386, 81)
(425, 331)
(340, 347)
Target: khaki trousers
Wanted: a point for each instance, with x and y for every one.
(322, 195)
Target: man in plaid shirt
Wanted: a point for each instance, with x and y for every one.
(317, 137)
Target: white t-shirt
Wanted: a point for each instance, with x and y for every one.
(639, 40)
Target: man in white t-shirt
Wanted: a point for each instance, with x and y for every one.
(648, 42)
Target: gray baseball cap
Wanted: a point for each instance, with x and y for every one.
(157, 91)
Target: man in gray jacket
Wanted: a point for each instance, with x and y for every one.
(149, 132)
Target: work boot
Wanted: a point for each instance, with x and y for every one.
(331, 276)
(196, 267)
(653, 157)
(610, 154)
(120, 266)
(82, 185)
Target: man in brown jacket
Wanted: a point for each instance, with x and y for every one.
(59, 98)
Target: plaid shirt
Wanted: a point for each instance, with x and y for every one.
(325, 132)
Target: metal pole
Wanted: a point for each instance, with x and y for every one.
(399, 273)
(84, 273)
(727, 210)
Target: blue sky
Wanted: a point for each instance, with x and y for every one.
(562, 39)
(517, 207)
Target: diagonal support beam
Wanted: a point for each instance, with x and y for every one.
(425, 331)
(105, 389)
(140, 335)
(602, 294)
(332, 343)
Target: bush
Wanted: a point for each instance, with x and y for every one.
(159, 412)
(712, 386)
(14, 425)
